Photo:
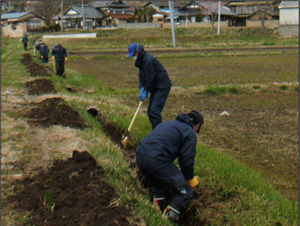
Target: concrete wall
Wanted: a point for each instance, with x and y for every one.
(139, 25)
(289, 16)
(257, 23)
(289, 30)
(19, 31)
(224, 24)
(83, 35)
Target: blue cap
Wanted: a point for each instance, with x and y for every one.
(132, 49)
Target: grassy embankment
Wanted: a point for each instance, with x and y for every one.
(257, 202)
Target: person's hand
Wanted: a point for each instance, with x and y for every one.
(66, 58)
(194, 182)
(143, 94)
(42, 57)
(52, 57)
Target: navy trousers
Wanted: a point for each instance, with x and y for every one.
(157, 102)
(60, 67)
(163, 175)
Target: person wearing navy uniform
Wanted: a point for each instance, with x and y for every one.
(60, 55)
(156, 154)
(153, 79)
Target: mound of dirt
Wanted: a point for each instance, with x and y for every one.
(33, 68)
(70, 192)
(40, 86)
(55, 111)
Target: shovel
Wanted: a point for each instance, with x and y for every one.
(53, 63)
(124, 141)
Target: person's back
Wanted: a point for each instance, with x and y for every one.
(25, 39)
(153, 75)
(169, 139)
(59, 52)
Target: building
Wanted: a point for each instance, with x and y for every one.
(289, 13)
(253, 10)
(289, 18)
(17, 24)
(117, 12)
(73, 17)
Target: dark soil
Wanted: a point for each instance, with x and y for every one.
(40, 86)
(70, 192)
(33, 68)
(55, 111)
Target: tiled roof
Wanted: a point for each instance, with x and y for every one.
(289, 4)
(10, 16)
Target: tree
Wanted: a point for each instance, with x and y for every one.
(145, 14)
(211, 9)
(45, 9)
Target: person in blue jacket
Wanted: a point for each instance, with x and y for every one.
(59, 53)
(44, 52)
(25, 41)
(156, 154)
(153, 79)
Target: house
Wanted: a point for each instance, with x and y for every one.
(73, 17)
(117, 12)
(253, 10)
(289, 13)
(203, 11)
(17, 24)
(192, 11)
(289, 18)
(267, 14)
(159, 17)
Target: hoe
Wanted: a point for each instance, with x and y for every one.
(125, 138)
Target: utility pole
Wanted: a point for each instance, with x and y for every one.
(219, 19)
(61, 17)
(171, 8)
(83, 22)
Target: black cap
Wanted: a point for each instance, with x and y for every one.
(197, 118)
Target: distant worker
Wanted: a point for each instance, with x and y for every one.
(38, 47)
(154, 79)
(60, 55)
(155, 156)
(44, 50)
(25, 41)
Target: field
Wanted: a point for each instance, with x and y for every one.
(246, 87)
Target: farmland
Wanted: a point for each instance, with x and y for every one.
(245, 83)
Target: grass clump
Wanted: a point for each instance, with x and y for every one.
(283, 87)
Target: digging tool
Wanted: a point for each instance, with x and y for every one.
(124, 141)
(53, 62)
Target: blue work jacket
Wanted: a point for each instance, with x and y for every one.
(172, 139)
(152, 74)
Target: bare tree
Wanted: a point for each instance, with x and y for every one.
(46, 9)
(211, 9)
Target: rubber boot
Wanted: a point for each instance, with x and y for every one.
(172, 214)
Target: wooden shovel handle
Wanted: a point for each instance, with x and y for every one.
(135, 114)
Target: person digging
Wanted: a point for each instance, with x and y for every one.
(156, 154)
(60, 55)
(153, 79)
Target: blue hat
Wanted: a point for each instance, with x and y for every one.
(132, 49)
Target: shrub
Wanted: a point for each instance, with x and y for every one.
(283, 87)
